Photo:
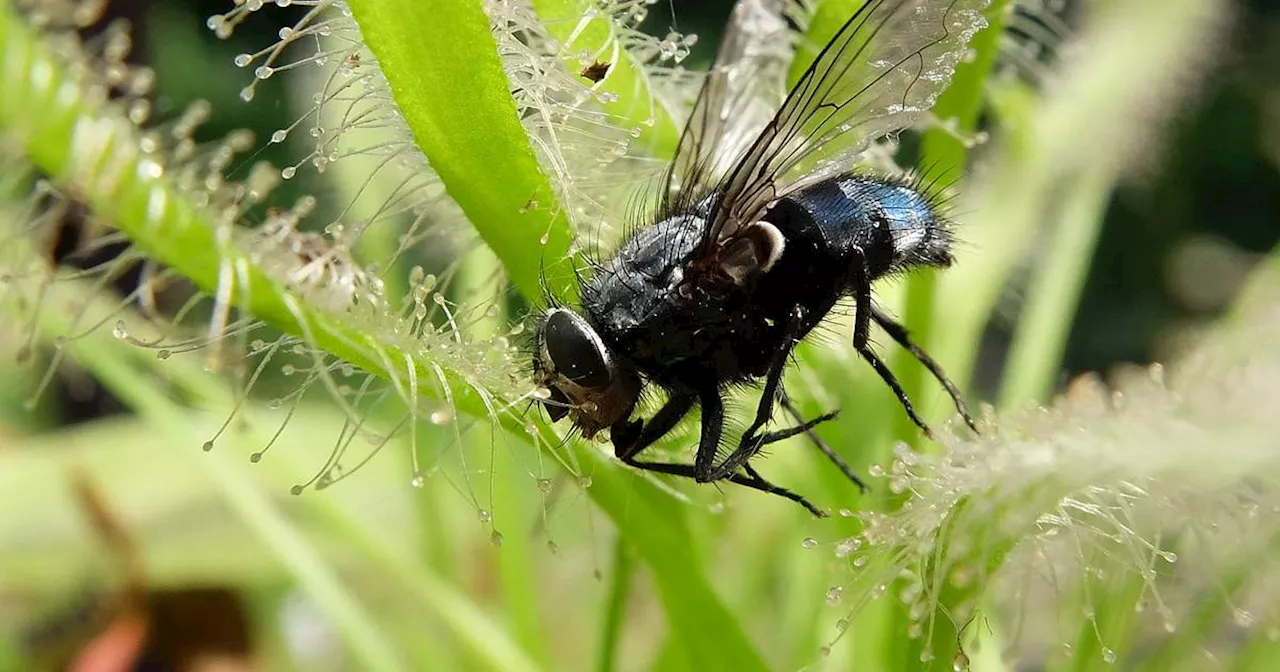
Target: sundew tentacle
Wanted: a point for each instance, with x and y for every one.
(305, 275)
(1150, 491)
(623, 126)
(569, 123)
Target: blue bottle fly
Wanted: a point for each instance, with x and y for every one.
(764, 225)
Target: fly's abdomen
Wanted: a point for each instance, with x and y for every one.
(894, 225)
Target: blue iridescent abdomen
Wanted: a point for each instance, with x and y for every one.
(894, 225)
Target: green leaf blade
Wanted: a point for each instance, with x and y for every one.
(445, 74)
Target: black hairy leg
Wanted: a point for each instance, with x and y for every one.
(861, 332)
(629, 438)
(751, 442)
(709, 439)
(751, 479)
(805, 427)
(633, 437)
(822, 445)
(899, 333)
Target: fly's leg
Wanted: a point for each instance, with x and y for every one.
(759, 483)
(712, 425)
(861, 329)
(629, 438)
(899, 334)
(822, 445)
(751, 442)
(805, 427)
(709, 441)
(751, 480)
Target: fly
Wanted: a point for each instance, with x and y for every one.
(763, 226)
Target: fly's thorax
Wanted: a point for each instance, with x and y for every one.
(636, 287)
(656, 311)
(583, 377)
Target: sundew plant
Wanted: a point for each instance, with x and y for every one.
(328, 409)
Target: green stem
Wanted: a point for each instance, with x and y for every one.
(1054, 292)
(620, 577)
(515, 505)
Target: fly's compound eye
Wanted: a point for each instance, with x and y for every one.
(574, 351)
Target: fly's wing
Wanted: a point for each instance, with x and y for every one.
(738, 97)
(885, 66)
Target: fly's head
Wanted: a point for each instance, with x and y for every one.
(585, 379)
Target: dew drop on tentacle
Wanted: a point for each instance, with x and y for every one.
(441, 416)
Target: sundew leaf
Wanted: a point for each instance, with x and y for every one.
(93, 152)
(246, 491)
(96, 154)
(368, 643)
(442, 65)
